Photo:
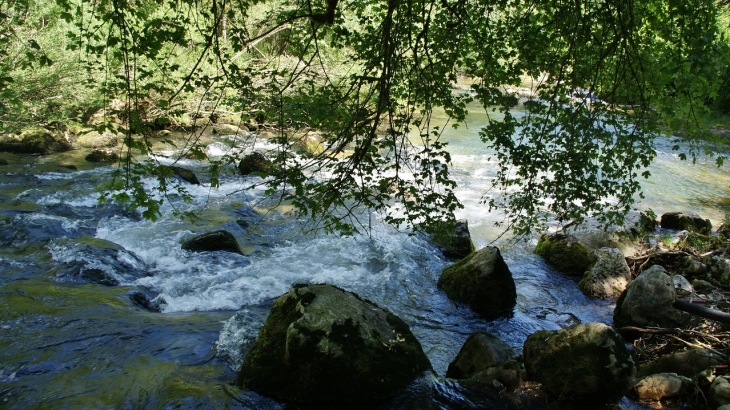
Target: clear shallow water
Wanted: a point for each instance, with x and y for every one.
(67, 343)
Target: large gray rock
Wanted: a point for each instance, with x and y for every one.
(660, 386)
(608, 276)
(213, 241)
(483, 281)
(323, 344)
(586, 363)
(628, 238)
(648, 301)
(686, 222)
(480, 351)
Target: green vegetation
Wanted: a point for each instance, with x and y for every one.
(368, 75)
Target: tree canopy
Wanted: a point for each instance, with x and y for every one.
(605, 79)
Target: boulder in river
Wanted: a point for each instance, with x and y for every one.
(648, 301)
(483, 281)
(564, 253)
(213, 241)
(686, 222)
(184, 174)
(608, 276)
(585, 363)
(255, 163)
(102, 155)
(480, 351)
(321, 344)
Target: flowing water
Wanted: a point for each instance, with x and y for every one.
(69, 343)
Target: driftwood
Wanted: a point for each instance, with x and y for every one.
(702, 311)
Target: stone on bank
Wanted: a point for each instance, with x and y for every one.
(321, 344)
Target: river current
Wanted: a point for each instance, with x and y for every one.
(66, 343)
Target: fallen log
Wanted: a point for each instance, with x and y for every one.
(702, 311)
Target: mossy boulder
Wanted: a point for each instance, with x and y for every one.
(480, 351)
(686, 222)
(585, 363)
(321, 344)
(483, 281)
(647, 301)
(608, 276)
(35, 141)
(564, 254)
(255, 163)
(213, 241)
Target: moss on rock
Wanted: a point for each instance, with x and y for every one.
(586, 363)
(564, 254)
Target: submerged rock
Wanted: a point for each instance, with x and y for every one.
(608, 276)
(564, 253)
(480, 351)
(213, 241)
(686, 222)
(93, 260)
(648, 301)
(586, 363)
(483, 281)
(323, 344)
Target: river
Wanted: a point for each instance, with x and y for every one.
(65, 343)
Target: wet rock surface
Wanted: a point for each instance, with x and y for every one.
(323, 344)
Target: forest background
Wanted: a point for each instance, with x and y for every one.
(606, 78)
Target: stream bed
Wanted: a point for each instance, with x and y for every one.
(66, 343)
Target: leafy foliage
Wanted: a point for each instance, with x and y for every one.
(605, 78)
